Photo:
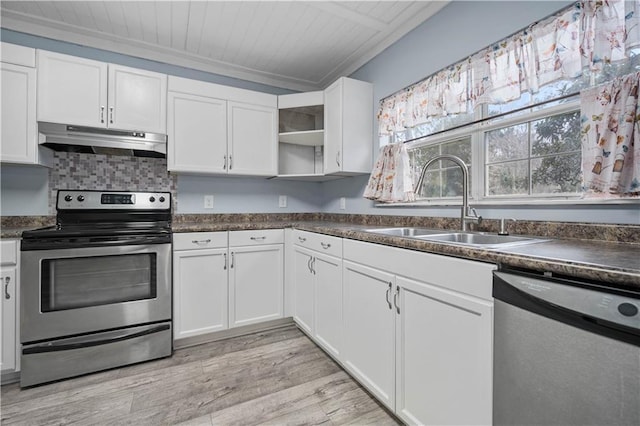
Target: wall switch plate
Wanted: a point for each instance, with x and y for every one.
(208, 201)
(343, 203)
(282, 201)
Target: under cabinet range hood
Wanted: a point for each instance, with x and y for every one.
(92, 140)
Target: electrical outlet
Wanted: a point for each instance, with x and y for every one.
(282, 201)
(208, 201)
(343, 203)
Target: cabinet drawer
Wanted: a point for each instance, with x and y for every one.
(319, 242)
(256, 237)
(8, 252)
(199, 240)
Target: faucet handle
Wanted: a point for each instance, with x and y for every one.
(503, 226)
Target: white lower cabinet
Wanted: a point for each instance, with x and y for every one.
(9, 307)
(443, 355)
(369, 330)
(317, 306)
(223, 280)
(256, 279)
(418, 332)
(200, 290)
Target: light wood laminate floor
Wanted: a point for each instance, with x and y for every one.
(275, 377)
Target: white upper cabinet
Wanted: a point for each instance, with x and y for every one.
(348, 134)
(137, 99)
(327, 134)
(84, 92)
(253, 147)
(19, 128)
(216, 129)
(197, 129)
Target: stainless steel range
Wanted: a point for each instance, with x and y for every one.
(96, 287)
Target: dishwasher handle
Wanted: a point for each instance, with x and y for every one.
(607, 312)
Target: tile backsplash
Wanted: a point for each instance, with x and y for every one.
(109, 172)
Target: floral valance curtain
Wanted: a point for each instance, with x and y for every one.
(610, 116)
(581, 38)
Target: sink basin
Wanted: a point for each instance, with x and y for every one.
(480, 240)
(472, 239)
(404, 232)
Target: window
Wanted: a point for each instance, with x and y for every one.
(540, 157)
(512, 111)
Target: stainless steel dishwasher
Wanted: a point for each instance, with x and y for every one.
(566, 352)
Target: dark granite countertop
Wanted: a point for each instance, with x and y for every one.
(611, 263)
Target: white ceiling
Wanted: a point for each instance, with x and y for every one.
(299, 45)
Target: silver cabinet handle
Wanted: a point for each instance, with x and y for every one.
(302, 240)
(309, 264)
(313, 265)
(388, 293)
(224, 166)
(230, 162)
(338, 158)
(7, 280)
(233, 258)
(225, 261)
(102, 114)
(395, 299)
(111, 115)
(258, 238)
(325, 245)
(207, 241)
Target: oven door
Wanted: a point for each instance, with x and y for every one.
(72, 291)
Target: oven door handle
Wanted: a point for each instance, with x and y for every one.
(88, 342)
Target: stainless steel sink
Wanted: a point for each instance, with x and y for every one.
(404, 232)
(472, 239)
(481, 240)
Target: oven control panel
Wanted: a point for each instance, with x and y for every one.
(112, 200)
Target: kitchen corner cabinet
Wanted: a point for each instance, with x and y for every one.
(326, 134)
(348, 105)
(85, 92)
(19, 128)
(318, 288)
(9, 276)
(200, 290)
(256, 276)
(221, 130)
(418, 332)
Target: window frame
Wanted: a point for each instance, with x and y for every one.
(478, 173)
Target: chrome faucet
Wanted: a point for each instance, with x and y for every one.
(468, 214)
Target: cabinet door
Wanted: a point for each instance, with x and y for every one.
(256, 283)
(328, 302)
(253, 144)
(18, 109)
(137, 99)
(333, 108)
(71, 90)
(369, 330)
(303, 288)
(8, 315)
(199, 292)
(197, 131)
(444, 356)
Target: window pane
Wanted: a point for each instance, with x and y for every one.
(557, 134)
(556, 174)
(524, 100)
(431, 186)
(452, 185)
(460, 149)
(509, 143)
(508, 178)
